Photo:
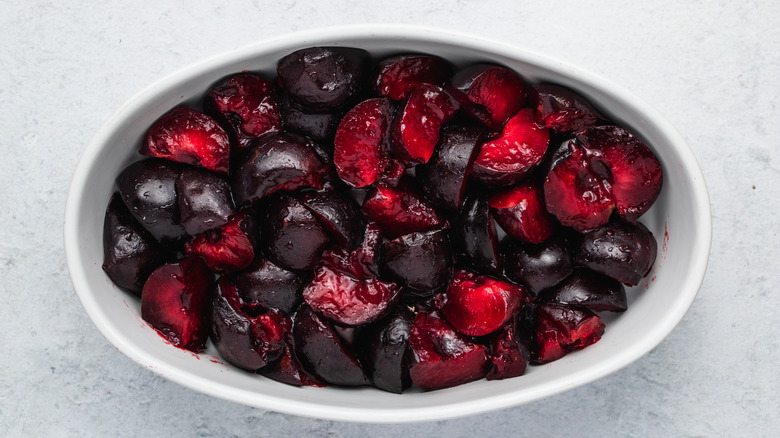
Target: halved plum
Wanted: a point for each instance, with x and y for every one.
(474, 236)
(320, 127)
(187, 136)
(589, 289)
(538, 267)
(400, 210)
(477, 305)
(175, 301)
(360, 146)
(205, 201)
(384, 351)
(421, 261)
(497, 88)
(520, 211)
(397, 76)
(621, 250)
(323, 353)
(228, 248)
(245, 337)
(269, 286)
(416, 125)
(245, 105)
(339, 214)
(148, 188)
(290, 234)
(562, 109)
(443, 178)
(323, 79)
(130, 253)
(441, 357)
(562, 329)
(277, 161)
(519, 149)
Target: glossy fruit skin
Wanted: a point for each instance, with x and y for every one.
(509, 353)
(228, 248)
(319, 127)
(538, 267)
(620, 250)
(322, 352)
(414, 132)
(588, 289)
(175, 301)
(396, 77)
(562, 329)
(400, 210)
(264, 284)
(360, 145)
(520, 211)
(339, 214)
(519, 149)
(474, 237)
(288, 369)
(477, 305)
(441, 357)
(420, 261)
(245, 105)
(498, 89)
(323, 79)
(205, 201)
(277, 161)
(186, 136)
(130, 253)
(562, 109)
(148, 188)
(384, 352)
(290, 234)
(247, 340)
(443, 178)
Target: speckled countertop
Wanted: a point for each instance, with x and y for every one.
(711, 67)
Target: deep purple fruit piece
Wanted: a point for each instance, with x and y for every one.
(245, 105)
(561, 108)
(537, 266)
(420, 261)
(148, 188)
(205, 201)
(323, 79)
(319, 127)
(267, 285)
(474, 237)
(339, 214)
(562, 329)
(176, 301)
(620, 250)
(443, 178)
(397, 76)
(130, 253)
(277, 161)
(290, 234)
(441, 357)
(289, 370)
(322, 352)
(384, 351)
(589, 289)
(244, 337)
(509, 352)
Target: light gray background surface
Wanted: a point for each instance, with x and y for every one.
(712, 68)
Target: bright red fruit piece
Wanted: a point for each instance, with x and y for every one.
(497, 88)
(396, 77)
(416, 125)
(246, 106)
(175, 301)
(360, 147)
(517, 151)
(441, 357)
(520, 211)
(227, 248)
(187, 136)
(561, 109)
(477, 305)
(561, 329)
(399, 210)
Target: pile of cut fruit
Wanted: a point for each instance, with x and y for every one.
(389, 222)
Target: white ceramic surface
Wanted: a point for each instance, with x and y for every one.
(680, 220)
